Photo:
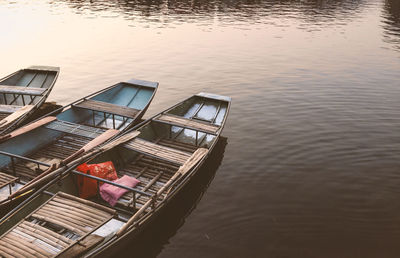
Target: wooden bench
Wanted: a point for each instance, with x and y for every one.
(63, 212)
(9, 108)
(21, 90)
(188, 123)
(158, 151)
(108, 108)
(6, 179)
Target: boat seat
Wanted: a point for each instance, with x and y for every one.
(75, 129)
(108, 108)
(6, 179)
(40, 234)
(9, 108)
(188, 123)
(8, 89)
(158, 151)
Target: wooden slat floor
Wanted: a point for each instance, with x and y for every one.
(42, 233)
(153, 173)
(55, 151)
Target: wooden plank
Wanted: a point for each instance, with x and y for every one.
(46, 233)
(24, 244)
(9, 89)
(9, 108)
(108, 108)
(81, 206)
(50, 241)
(167, 153)
(86, 202)
(8, 250)
(74, 218)
(28, 127)
(193, 160)
(75, 215)
(64, 219)
(85, 244)
(15, 115)
(191, 124)
(59, 223)
(87, 214)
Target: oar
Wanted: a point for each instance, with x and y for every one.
(28, 127)
(93, 143)
(46, 174)
(193, 160)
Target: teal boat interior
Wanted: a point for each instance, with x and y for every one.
(163, 153)
(65, 131)
(32, 77)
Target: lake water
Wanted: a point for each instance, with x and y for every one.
(310, 165)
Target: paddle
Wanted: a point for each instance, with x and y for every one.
(193, 160)
(28, 128)
(93, 143)
(55, 167)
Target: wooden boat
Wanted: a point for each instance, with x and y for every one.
(32, 151)
(163, 152)
(23, 92)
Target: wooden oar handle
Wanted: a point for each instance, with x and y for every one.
(72, 157)
(4, 137)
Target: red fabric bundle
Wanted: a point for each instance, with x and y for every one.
(87, 186)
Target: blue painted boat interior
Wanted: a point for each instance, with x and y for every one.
(123, 94)
(45, 142)
(205, 110)
(27, 78)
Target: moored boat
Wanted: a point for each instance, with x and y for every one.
(23, 92)
(31, 152)
(163, 153)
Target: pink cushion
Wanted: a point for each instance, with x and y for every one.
(111, 193)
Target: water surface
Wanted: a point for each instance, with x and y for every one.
(311, 168)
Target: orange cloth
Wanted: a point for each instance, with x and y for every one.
(88, 186)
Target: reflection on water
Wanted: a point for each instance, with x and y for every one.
(392, 22)
(152, 241)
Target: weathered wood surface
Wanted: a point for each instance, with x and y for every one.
(86, 244)
(6, 179)
(29, 127)
(64, 211)
(180, 121)
(8, 89)
(15, 115)
(157, 150)
(9, 108)
(108, 108)
(193, 160)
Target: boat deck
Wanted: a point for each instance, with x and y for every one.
(152, 172)
(188, 123)
(53, 228)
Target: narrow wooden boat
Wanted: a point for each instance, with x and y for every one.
(163, 152)
(23, 92)
(30, 152)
